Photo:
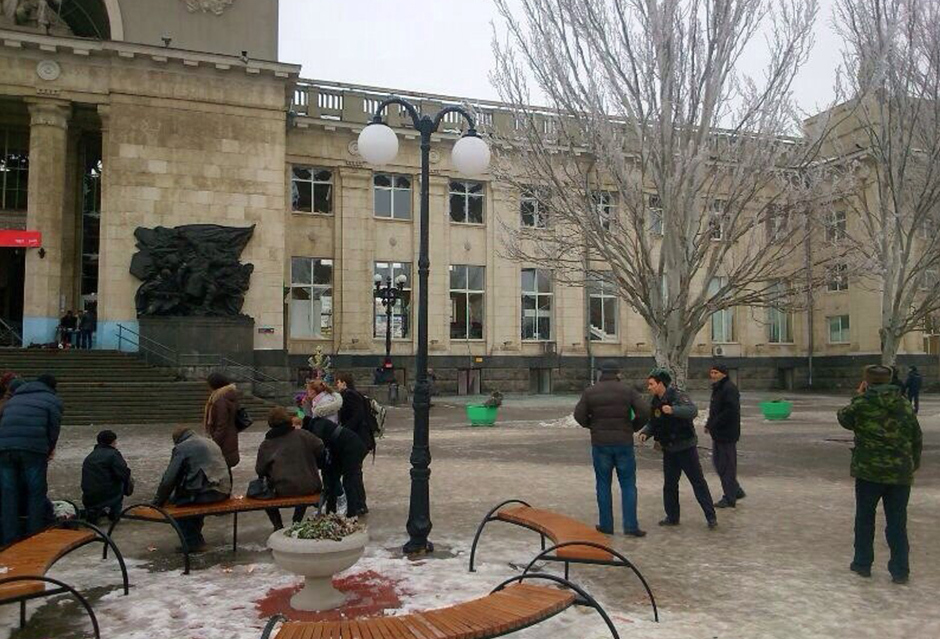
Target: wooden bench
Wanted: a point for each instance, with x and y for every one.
(510, 607)
(27, 562)
(170, 514)
(573, 542)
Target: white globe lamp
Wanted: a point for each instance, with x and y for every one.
(378, 144)
(471, 155)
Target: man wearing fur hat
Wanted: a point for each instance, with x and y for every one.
(888, 443)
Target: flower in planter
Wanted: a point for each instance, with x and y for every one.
(331, 527)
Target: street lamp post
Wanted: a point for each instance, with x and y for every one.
(378, 144)
(389, 295)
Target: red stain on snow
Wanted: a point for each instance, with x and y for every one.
(368, 594)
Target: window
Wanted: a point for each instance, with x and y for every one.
(778, 223)
(722, 321)
(466, 202)
(604, 208)
(401, 311)
(602, 304)
(655, 215)
(536, 304)
(717, 219)
(835, 227)
(311, 190)
(779, 321)
(839, 329)
(392, 196)
(311, 297)
(837, 278)
(14, 169)
(467, 286)
(533, 210)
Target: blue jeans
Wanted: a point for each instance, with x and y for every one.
(606, 459)
(23, 483)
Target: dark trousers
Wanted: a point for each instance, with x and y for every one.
(725, 459)
(894, 498)
(915, 400)
(274, 514)
(84, 338)
(23, 487)
(345, 474)
(192, 526)
(606, 459)
(104, 507)
(674, 464)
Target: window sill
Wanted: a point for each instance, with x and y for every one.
(781, 343)
(840, 343)
(470, 224)
(714, 343)
(480, 340)
(322, 338)
(538, 341)
(311, 214)
(395, 340)
(393, 219)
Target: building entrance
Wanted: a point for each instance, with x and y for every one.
(12, 277)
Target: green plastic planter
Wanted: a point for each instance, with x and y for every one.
(776, 410)
(480, 415)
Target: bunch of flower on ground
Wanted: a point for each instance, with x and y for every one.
(324, 527)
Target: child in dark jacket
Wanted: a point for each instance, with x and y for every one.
(106, 479)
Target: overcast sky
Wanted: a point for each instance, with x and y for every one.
(444, 46)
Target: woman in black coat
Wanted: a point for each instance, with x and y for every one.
(345, 452)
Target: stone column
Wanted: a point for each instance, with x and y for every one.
(47, 291)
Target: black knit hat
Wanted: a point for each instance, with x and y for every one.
(107, 437)
(721, 368)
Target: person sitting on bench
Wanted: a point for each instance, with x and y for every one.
(197, 474)
(287, 459)
(106, 479)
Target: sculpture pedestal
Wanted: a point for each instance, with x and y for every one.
(190, 337)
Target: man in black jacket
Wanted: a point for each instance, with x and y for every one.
(724, 425)
(613, 411)
(672, 427)
(106, 479)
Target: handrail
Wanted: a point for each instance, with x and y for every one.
(6, 329)
(211, 360)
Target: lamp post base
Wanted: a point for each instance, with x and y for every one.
(417, 548)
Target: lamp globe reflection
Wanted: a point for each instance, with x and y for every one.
(378, 144)
(471, 155)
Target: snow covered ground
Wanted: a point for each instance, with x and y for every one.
(776, 566)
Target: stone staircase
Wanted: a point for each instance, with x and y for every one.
(110, 387)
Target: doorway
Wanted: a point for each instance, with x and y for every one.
(12, 279)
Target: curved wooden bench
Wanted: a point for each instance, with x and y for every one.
(27, 562)
(169, 514)
(509, 607)
(573, 542)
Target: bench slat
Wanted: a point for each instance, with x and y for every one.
(560, 529)
(34, 556)
(227, 506)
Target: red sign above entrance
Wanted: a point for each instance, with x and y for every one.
(21, 239)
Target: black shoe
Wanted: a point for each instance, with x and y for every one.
(668, 522)
(635, 533)
(900, 580)
(712, 524)
(194, 550)
(861, 571)
(724, 503)
(601, 529)
(741, 494)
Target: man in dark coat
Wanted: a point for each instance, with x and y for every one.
(106, 479)
(197, 474)
(344, 465)
(613, 411)
(672, 427)
(29, 431)
(354, 416)
(724, 425)
(912, 386)
(288, 459)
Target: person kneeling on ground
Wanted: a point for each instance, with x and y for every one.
(344, 463)
(197, 474)
(106, 479)
(287, 459)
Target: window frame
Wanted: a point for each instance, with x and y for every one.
(392, 190)
(393, 269)
(467, 292)
(18, 170)
(717, 220)
(604, 207)
(601, 289)
(538, 297)
(317, 334)
(467, 196)
(837, 278)
(539, 209)
(314, 183)
(844, 328)
(726, 315)
(777, 316)
(836, 227)
(654, 208)
(777, 231)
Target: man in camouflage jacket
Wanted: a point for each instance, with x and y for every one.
(888, 444)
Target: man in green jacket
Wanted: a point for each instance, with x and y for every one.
(888, 444)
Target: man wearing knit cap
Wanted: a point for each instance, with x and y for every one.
(724, 425)
(888, 443)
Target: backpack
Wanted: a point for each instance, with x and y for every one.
(242, 419)
(375, 417)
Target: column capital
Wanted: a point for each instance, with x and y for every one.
(104, 112)
(45, 112)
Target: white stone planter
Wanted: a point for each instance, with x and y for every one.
(317, 560)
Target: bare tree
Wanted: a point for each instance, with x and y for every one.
(893, 153)
(709, 170)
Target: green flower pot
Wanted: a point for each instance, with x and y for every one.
(776, 410)
(480, 415)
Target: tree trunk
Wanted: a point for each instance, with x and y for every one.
(672, 353)
(890, 342)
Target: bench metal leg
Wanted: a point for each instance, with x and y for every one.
(235, 533)
(543, 540)
(585, 598)
(590, 544)
(489, 517)
(107, 543)
(64, 587)
(269, 627)
(167, 518)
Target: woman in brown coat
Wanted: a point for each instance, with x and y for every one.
(219, 419)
